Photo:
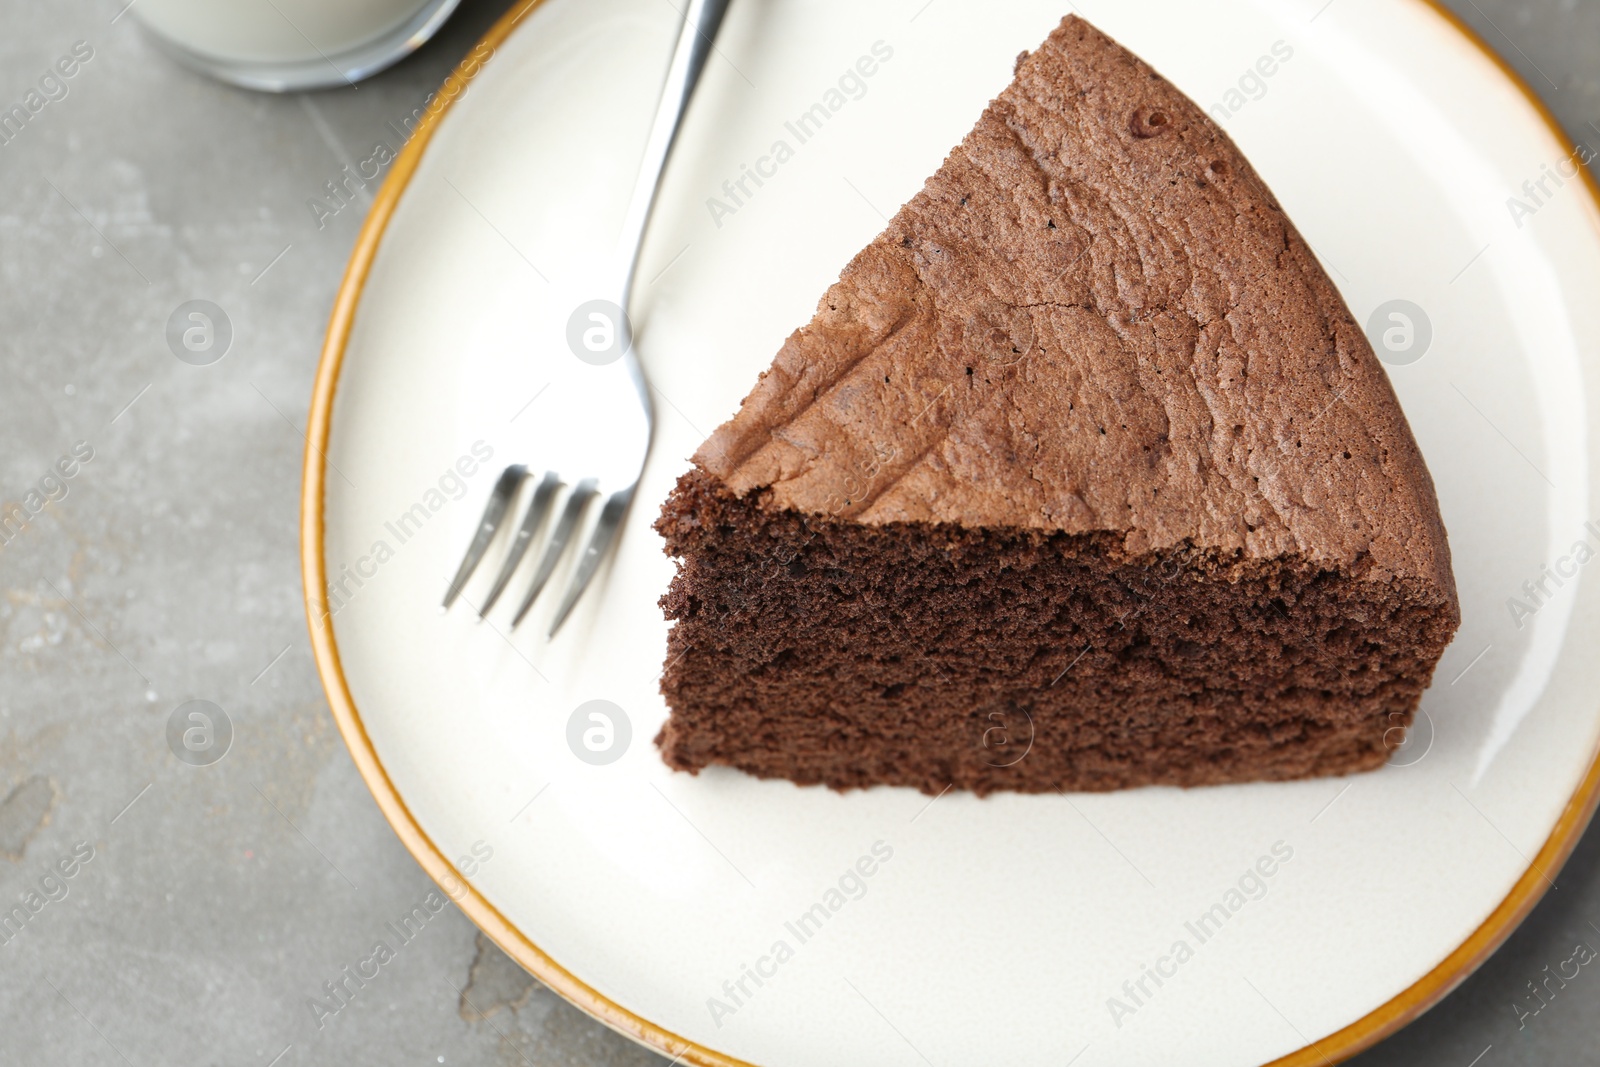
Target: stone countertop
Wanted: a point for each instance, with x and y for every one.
(208, 904)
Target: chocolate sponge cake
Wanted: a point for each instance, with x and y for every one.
(1082, 477)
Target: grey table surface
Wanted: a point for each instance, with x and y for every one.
(215, 901)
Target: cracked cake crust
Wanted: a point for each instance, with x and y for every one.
(1095, 316)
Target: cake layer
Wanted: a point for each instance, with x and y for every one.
(826, 651)
(1083, 476)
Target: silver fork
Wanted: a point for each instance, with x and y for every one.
(701, 19)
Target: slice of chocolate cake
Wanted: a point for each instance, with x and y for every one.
(1082, 477)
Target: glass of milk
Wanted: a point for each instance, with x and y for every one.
(284, 45)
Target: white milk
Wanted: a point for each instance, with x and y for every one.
(274, 31)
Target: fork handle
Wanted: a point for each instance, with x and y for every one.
(701, 19)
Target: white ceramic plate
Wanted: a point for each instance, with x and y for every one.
(999, 930)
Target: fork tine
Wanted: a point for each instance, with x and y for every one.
(605, 531)
(538, 509)
(493, 512)
(586, 491)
